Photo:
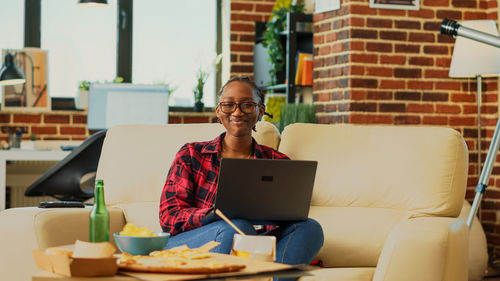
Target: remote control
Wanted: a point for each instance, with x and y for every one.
(62, 204)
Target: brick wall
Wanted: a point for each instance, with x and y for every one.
(53, 125)
(72, 125)
(244, 14)
(378, 66)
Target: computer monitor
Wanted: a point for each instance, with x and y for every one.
(124, 103)
(72, 179)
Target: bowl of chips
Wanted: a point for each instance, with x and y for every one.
(140, 240)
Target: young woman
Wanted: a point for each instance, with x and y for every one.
(186, 206)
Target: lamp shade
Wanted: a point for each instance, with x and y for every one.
(472, 58)
(93, 2)
(9, 73)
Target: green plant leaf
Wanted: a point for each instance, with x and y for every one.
(296, 113)
(274, 27)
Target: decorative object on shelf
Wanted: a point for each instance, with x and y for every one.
(273, 103)
(23, 89)
(82, 98)
(296, 113)
(15, 138)
(276, 25)
(84, 85)
(201, 79)
(307, 72)
(396, 4)
(29, 144)
(299, 72)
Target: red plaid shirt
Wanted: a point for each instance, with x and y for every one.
(189, 192)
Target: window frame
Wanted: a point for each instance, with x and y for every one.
(32, 35)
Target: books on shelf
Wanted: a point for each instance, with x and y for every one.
(303, 73)
(307, 72)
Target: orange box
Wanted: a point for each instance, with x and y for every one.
(307, 72)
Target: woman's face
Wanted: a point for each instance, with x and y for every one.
(239, 123)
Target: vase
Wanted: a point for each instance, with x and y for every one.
(82, 100)
(198, 106)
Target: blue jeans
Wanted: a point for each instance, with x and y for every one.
(297, 242)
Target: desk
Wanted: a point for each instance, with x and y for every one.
(24, 155)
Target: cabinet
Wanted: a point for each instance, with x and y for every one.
(297, 37)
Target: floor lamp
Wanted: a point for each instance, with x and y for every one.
(473, 59)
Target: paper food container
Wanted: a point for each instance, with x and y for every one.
(254, 247)
(86, 260)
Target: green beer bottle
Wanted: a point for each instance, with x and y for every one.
(99, 216)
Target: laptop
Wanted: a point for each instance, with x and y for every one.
(265, 189)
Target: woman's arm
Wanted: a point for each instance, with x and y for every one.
(178, 212)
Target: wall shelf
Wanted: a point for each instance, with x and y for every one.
(293, 41)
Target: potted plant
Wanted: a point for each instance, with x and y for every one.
(296, 113)
(201, 79)
(29, 144)
(272, 41)
(82, 100)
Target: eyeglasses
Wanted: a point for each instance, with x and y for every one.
(245, 107)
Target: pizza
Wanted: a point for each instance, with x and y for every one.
(180, 260)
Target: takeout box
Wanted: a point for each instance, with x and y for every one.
(258, 247)
(83, 259)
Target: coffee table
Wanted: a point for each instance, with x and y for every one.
(47, 276)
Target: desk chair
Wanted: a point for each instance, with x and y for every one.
(72, 179)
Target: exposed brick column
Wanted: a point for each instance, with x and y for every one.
(244, 14)
(331, 66)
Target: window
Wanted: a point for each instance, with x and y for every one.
(171, 40)
(81, 44)
(12, 27)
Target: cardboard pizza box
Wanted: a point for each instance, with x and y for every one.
(252, 267)
(86, 260)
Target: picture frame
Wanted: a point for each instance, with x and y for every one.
(396, 4)
(33, 95)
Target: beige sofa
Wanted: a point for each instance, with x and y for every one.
(387, 197)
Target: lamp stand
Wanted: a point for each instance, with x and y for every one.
(484, 177)
(479, 94)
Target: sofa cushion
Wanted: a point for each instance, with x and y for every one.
(354, 236)
(135, 159)
(32, 228)
(141, 214)
(421, 170)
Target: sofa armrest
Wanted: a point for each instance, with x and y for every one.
(27, 229)
(428, 248)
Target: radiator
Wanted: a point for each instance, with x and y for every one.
(20, 174)
(15, 198)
